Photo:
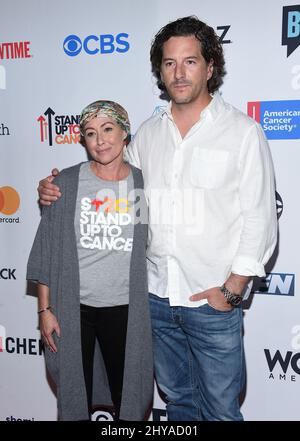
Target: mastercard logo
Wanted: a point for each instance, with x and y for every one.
(9, 200)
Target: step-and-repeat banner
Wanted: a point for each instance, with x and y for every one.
(58, 56)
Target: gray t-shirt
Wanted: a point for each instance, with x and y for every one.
(104, 235)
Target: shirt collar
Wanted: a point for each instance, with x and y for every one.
(212, 110)
(167, 110)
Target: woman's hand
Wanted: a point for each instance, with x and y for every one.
(49, 324)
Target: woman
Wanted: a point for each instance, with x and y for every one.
(89, 259)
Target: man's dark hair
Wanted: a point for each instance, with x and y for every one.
(211, 48)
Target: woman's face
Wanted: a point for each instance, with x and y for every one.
(104, 140)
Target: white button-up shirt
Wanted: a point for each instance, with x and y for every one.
(211, 198)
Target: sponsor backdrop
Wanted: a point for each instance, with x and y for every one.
(58, 56)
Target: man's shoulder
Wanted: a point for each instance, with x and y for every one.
(151, 122)
(239, 117)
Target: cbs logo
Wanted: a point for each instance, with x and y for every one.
(102, 415)
(96, 44)
(9, 200)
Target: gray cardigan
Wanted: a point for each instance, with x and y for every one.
(53, 261)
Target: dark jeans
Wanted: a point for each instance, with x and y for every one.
(108, 326)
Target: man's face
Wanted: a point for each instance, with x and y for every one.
(184, 71)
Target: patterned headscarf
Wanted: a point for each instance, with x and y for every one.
(105, 108)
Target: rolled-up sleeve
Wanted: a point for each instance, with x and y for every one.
(258, 205)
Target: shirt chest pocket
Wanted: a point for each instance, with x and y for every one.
(209, 168)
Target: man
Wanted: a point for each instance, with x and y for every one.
(212, 223)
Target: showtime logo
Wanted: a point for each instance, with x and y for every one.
(14, 50)
(9, 204)
(279, 119)
(276, 284)
(13, 418)
(96, 44)
(61, 129)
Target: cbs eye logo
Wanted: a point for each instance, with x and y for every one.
(9, 200)
(72, 45)
(102, 415)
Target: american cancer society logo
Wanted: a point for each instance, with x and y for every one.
(279, 119)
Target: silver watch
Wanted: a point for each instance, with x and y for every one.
(232, 299)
